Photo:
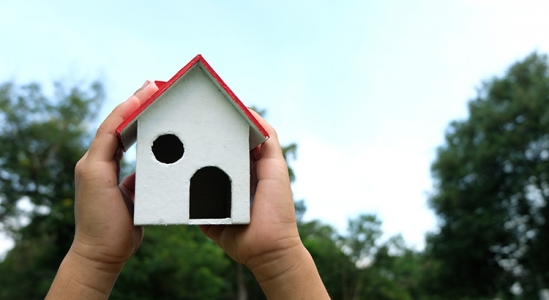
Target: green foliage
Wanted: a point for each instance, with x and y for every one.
(363, 235)
(41, 139)
(492, 188)
(333, 265)
(398, 269)
(358, 265)
(175, 262)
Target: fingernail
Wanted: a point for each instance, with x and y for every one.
(147, 82)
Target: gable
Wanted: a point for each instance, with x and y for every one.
(212, 134)
(195, 109)
(127, 131)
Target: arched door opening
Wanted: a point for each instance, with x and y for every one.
(210, 194)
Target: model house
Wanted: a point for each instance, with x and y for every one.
(193, 142)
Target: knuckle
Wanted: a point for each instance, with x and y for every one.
(272, 132)
(80, 168)
(100, 130)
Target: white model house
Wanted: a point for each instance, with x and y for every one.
(193, 142)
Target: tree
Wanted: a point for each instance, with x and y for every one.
(381, 270)
(41, 139)
(492, 184)
(176, 262)
(334, 267)
(357, 265)
(360, 246)
(398, 270)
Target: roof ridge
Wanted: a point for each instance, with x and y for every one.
(125, 131)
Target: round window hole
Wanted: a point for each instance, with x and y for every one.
(167, 148)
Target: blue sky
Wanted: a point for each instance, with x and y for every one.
(365, 88)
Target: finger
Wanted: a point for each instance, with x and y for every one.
(256, 153)
(271, 147)
(105, 143)
(212, 231)
(271, 168)
(265, 124)
(128, 185)
(127, 189)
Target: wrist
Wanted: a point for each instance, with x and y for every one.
(79, 277)
(86, 259)
(96, 256)
(273, 264)
(289, 274)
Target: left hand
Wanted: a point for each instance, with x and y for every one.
(105, 233)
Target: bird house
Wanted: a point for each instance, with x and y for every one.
(194, 138)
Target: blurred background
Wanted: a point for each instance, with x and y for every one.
(416, 132)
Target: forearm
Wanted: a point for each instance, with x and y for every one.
(81, 278)
(290, 274)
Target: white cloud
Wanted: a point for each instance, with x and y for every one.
(388, 176)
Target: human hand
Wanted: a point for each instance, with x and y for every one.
(270, 245)
(104, 228)
(272, 225)
(105, 237)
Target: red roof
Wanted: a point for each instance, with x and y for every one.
(126, 132)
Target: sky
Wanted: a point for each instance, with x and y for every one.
(364, 88)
